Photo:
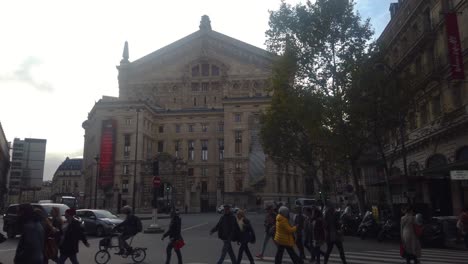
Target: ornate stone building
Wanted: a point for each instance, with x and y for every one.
(4, 167)
(68, 179)
(421, 46)
(198, 100)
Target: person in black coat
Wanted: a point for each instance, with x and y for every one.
(30, 249)
(247, 235)
(129, 228)
(299, 220)
(73, 233)
(174, 234)
(228, 231)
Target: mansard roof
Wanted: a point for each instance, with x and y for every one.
(70, 164)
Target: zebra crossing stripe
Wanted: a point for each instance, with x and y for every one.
(429, 256)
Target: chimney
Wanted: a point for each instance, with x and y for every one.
(394, 9)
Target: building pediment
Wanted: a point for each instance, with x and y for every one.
(174, 60)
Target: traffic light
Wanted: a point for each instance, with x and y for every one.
(168, 187)
(156, 168)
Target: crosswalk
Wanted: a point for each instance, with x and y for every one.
(429, 256)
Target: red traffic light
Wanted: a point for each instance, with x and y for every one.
(156, 181)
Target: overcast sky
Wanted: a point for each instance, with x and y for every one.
(58, 57)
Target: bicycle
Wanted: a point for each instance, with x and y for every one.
(103, 256)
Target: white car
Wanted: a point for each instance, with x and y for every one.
(220, 209)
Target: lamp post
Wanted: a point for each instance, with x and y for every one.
(136, 157)
(96, 180)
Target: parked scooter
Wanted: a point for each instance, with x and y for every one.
(389, 231)
(368, 226)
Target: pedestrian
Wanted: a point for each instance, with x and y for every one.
(318, 235)
(299, 223)
(268, 223)
(30, 248)
(409, 236)
(308, 214)
(246, 236)
(73, 233)
(175, 237)
(462, 225)
(228, 231)
(57, 223)
(333, 233)
(284, 237)
(50, 247)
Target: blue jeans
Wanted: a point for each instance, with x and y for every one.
(227, 249)
(63, 258)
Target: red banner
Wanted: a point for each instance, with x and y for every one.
(106, 162)
(454, 47)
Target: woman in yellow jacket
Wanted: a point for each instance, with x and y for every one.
(284, 237)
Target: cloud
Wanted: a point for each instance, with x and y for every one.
(24, 74)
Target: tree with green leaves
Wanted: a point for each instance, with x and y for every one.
(292, 131)
(329, 41)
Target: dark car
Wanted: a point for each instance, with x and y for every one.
(98, 222)
(10, 218)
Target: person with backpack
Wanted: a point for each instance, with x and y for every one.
(269, 224)
(228, 231)
(247, 235)
(129, 228)
(175, 236)
(73, 233)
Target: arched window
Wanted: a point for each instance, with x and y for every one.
(462, 154)
(436, 160)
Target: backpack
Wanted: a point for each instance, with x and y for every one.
(139, 225)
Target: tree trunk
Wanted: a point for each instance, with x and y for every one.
(357, 189)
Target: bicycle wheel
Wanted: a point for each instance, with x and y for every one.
(138, 255)
(102, 257)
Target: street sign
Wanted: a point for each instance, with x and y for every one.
(156, 181)
(459, 175)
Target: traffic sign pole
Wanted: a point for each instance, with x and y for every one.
(154, 227)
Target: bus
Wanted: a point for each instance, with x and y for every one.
(71, 201)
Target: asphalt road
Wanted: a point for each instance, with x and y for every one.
(202, 248)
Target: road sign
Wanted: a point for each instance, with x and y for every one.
(459, 175)
(156, 181)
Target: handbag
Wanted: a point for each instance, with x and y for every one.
(402, 251)
(50, 248)
(178, 244)
(418, 230)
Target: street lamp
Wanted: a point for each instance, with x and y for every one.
(96, 180)
(135, 166)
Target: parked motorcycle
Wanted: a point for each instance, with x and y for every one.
(350, 224)
(433, 235)
(389, 231)
(368, 226)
